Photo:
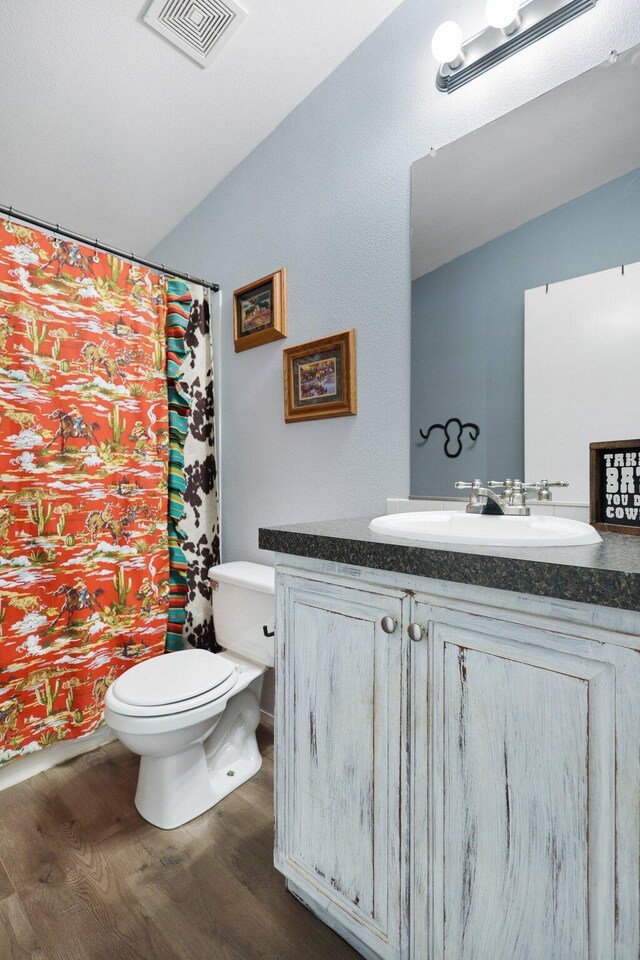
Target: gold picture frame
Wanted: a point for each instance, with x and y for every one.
(320, 378)
(260, 311)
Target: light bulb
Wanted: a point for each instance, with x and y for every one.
(503, 14)
(446, 45)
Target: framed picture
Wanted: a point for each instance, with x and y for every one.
(614, 486)
(260, 311)
(320, 378)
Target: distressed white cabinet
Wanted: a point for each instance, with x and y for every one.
(341, 709)
(472, 796)
(515, 823)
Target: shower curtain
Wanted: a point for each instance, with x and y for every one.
(194, 532)
(201, 518)
(84, 560)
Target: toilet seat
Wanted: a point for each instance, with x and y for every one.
(173, 683)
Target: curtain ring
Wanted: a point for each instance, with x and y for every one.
(56, 240)
(163, 279)
(9, 225)
(95, 257)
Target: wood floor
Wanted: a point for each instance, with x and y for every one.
(83, 877)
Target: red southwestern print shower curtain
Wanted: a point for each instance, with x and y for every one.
(84, 565)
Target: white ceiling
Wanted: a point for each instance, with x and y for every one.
(553, 149)
(108, 129)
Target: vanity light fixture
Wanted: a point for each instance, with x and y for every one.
(446, 45)
(504, 15)
(511, 27)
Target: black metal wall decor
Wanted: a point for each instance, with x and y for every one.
(453, 431)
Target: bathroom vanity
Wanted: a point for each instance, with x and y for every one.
(458, 744)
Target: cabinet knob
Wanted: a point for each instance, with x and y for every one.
(388, 624)
(415, 632)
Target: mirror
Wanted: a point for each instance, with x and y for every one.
(526, 289)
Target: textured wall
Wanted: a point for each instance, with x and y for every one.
(327, 195)
(467, 332)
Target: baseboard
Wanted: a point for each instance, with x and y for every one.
(266, 719)
(31, 764)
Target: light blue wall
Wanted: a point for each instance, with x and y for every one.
(467, 341)
(327, 196)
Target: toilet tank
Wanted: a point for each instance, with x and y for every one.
(243, 604)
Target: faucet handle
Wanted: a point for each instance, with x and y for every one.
(506, 486)
(542, 486)
(477, 495)
(546, 483)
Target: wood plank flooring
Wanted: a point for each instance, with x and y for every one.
(84, 877)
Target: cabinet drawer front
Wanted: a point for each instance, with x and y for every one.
(340, 714)
(520, 808)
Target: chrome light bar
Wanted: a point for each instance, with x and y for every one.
(491, 46)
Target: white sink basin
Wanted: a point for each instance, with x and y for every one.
(446, 526)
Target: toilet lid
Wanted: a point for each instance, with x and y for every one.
(172, 678)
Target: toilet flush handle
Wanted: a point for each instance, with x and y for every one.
(265, 630)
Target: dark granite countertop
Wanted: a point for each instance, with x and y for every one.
(606, 574)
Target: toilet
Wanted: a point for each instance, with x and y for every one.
(192, 715)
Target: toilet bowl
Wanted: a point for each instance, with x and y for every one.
(192, 715)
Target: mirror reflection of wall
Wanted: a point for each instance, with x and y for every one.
(581, 378)
(547, 193)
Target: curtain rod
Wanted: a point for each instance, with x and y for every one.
(97, 245)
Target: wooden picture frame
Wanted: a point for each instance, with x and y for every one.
(260, 311)
(320, 378)
(615, 511)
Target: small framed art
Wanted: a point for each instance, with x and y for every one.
(320, 378)
(614, 486)
(260, 311)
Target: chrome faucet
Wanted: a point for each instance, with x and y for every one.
(511, 501)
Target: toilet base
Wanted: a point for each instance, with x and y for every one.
(176, 789)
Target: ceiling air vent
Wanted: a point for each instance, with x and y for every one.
(198, 27)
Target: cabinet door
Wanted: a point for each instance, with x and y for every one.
(341, 729)
(513, 798)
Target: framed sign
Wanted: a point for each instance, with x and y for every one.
(615, 486)
(260, 311)
(320, 378)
